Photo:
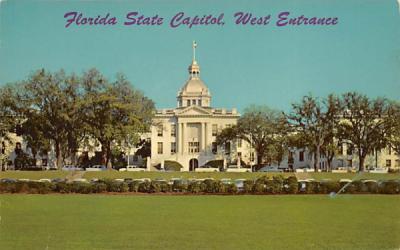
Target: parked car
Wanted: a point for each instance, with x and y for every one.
(226, 181)
(57, 180)
(71, 168)
(379, 170)
(45, 180)
(134, 168)
(8, 180)
(96, 168)
(239, 183)
(80, 180)
(270, 169)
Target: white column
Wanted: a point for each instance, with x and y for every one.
(203, 136)
(183, 138)
(178, 139)
(206, 141)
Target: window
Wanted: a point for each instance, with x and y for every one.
(239, 143)
(199, 102)
(160, 148)
(349, 149)
(397, 163)
(160, 130)
(180, 103)
(173, 148)
(239, 155)
(173, 130)
(388, 163)
(227, 148)
(214, 148)
(340, 149)
(214, 129)
(350, 163)
(194, 147)
(301, 156)
(252, 156)
(3, 147)
(188, 103)
(193, 102)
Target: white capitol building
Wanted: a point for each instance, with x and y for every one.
(186, 134)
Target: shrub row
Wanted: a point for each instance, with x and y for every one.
(263, 185)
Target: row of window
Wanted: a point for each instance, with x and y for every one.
(214, 132)
(350, 150)
(192, 102)
(194, 147)
(389, 163)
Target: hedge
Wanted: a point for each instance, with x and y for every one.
(262, 185)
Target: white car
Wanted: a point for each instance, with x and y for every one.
(270, 169)
(71, 168)
(45, 180)
(379, 171)
(96, 168)
(80, 180)
(134, 168)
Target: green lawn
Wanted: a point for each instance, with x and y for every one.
(199, 222)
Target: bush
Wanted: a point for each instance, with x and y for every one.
(327, 187)
(248, 186)
(134, 186)
(194, 187)
(63, 187)
(8, 187)
(291, 185)
(231, 188)
(371, 187)
(81, 188)
(99, 187)
(145, 187)
(259, 188)
(155, 187)
(390, 187)
(179, 186)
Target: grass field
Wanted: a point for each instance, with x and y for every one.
(199, 222)
(167, 175)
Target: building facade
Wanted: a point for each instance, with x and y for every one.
(187, 134)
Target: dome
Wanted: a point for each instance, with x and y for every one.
(194, 85)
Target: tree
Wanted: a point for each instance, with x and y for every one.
(394, 119)
(314, 123)
(365, 123)
(114, 113)
(8, 121)
(260, 126)
(45, 101)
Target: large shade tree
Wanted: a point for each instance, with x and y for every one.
(114, 112)
(314, 123)
(263, 128)
(366, 123)
(44, 101)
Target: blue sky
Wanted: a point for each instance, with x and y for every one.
(241, 65)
